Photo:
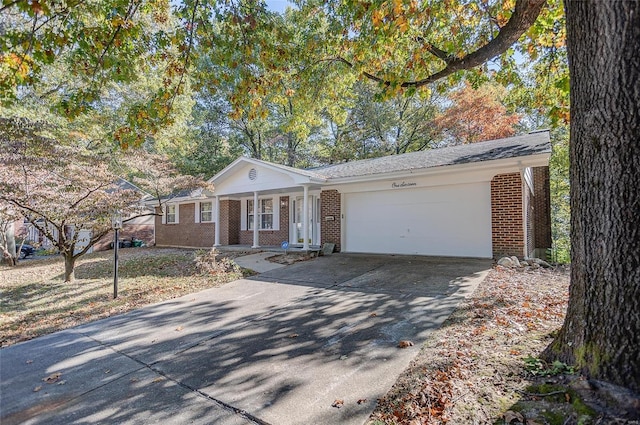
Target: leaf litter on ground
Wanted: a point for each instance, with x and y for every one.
(471, 370)
(35, 301)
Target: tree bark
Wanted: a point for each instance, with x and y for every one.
(69, 267)
(601, 333)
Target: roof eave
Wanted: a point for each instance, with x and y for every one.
(299, 178)
(503, 165)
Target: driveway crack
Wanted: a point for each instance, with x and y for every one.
(225, 406)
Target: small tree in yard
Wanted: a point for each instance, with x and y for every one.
(10, 252)
(62, 189)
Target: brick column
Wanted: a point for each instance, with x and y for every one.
(507, 228)
(542, 208)
(229, 222)
(330, 207)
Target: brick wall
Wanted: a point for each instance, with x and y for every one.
(271, 237)
(186, 232)
(330, 206)
(229, 222)
(542, 208)
(506, 215)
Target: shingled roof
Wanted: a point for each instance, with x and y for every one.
(512, 147)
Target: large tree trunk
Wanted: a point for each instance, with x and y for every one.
(601, 333)
(69, 267)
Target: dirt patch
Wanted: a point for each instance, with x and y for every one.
(482, 366)
(291, 258)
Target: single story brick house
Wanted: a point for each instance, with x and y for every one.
(485, 200)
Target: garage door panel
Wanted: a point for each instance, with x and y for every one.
(450, 220)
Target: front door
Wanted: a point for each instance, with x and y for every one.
(297, 230)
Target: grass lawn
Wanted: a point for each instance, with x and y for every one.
(35, 301)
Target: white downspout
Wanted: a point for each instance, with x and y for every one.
(256, 222)
(305, 218)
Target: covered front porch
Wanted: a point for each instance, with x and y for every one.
(269, 219)
(263, 205)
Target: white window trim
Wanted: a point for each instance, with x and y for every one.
(275, 200)
(177, 214)
(199, 212)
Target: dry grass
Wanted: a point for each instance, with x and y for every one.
(35, 301)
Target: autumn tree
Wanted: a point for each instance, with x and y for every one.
(475, 115)
(62, 189)
(402, 46)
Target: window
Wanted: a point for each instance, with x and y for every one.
(172, 216)
(206, 212)
(265, 214)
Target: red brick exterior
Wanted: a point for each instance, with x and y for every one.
(542, 208)
(330, 205)
(186, 232)
(507, 227)
(507, 220)
(229, 222)
(271, 237)
(143, 232)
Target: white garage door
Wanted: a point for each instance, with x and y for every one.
(453, 220)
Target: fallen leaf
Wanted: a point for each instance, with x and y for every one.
(338, 403)
(362, 400)
(405, 343)
(292, 336)
(158, 379)
(52, 378)
(511, 416)
(567, 397)
(38, 388)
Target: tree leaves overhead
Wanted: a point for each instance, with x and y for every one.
(138, 66)
(404, 43)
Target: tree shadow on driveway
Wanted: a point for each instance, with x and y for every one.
(278, 348)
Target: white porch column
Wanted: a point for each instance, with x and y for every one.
(256, 222)
(305, 218)
(217, 228)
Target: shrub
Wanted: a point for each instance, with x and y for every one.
(209, 264)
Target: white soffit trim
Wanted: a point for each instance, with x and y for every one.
(298, 177)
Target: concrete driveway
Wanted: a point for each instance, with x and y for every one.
(275, 349)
